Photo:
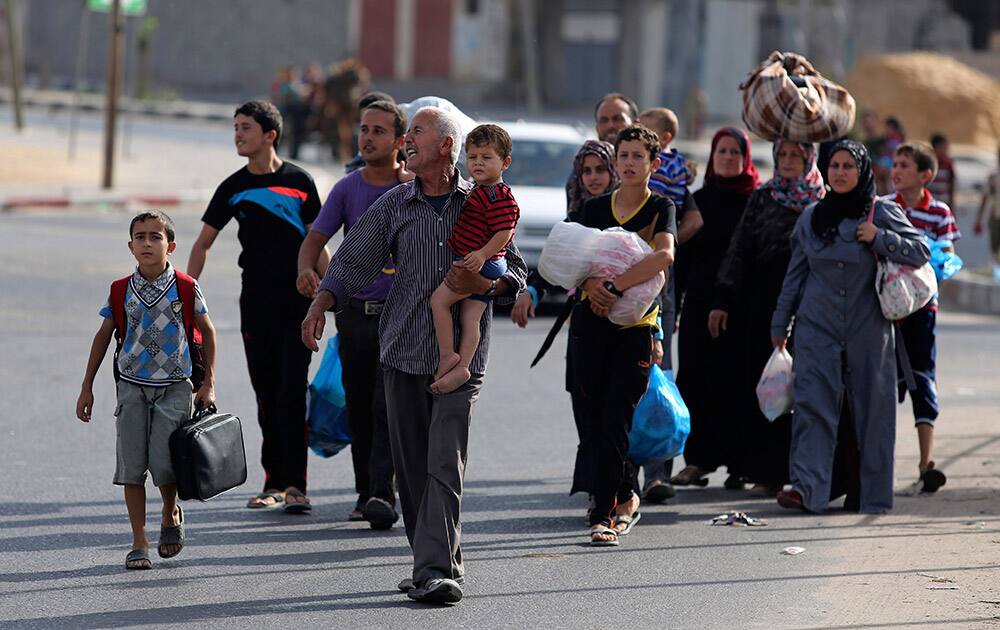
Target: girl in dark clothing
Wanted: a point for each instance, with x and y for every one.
(593, 175)
(751, 275)
(707, 365)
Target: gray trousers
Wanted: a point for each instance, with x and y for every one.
(429, 436)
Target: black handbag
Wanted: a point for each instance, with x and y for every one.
(207, 455)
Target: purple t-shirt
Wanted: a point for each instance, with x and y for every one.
(348, 200)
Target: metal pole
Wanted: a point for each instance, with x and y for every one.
(529, 53)
(14, 37)
(111, 107)
(128, 72)
(81, 63)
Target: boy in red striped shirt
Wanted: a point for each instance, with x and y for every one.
(913, 168)
(479, 240)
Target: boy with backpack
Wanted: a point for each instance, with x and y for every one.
(913, 168)
(165, 342)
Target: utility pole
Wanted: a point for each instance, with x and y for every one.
(111, 107)
(14, 38)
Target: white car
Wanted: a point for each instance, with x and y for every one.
(542, 162)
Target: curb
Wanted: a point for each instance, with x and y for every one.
(970, 293)
(89, 102)
(89, 200)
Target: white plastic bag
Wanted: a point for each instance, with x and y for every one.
(632, 306)
(573, 253)
(774, 391)
(567, 255)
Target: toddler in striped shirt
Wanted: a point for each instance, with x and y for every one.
(479, 241)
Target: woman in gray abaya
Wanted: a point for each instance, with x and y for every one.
(845, 368)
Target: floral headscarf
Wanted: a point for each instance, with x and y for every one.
(746, 181)
(800, 192)
(576, 192)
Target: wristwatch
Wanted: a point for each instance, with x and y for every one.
(492, 289)
(612, 289)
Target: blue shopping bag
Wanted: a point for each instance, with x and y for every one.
(329, 431)
(661, 421)
(945, 264)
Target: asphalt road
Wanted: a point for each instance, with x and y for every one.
(64, 533)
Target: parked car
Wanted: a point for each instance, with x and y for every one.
(542, 161)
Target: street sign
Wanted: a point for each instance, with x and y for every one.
(129, 7)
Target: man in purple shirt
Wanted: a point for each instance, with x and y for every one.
(382, 127)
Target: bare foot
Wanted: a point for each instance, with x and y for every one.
(451, 381)
(447, 364)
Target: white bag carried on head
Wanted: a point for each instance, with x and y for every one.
(774, 391)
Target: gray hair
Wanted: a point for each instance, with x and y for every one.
(447, 127)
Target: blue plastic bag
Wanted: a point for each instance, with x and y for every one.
(661, 421)
(945, 264)
(329, 431)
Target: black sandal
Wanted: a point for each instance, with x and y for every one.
(172, 536)
(138, 560)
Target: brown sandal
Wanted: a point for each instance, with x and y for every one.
(690, 476)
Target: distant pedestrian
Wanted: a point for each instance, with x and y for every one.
(708, 373)
(912, 172)
(944, 184)
(274, 203)
(991, 202)
(150, 314)
(749, 282)
(382, 127)
(845, 368)
(429, 433)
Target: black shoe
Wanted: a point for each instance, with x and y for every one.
(932, 479)
(659, 492)
(406, 584)
(437, 591)
(734, 482)
(380, 514)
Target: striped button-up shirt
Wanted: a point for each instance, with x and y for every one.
(404, 224)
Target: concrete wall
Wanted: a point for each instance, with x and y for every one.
(202, 48)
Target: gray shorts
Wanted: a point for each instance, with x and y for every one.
(145, 417)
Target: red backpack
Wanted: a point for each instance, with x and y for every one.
(185, 289)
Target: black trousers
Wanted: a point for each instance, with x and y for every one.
(279, 371)
(364, 392)
(611, 373)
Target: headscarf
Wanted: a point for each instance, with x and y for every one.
(801, 191)
(745, 182)
(835, 207)
(576, 192)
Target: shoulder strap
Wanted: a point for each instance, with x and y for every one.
(871, 213)
(117, 303)
(185, 289)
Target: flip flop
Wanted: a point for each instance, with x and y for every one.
(687, 477)
(134, 559)
(297, 507)
(172, 536)
(629, 521)
(260, 501)
(601, 530)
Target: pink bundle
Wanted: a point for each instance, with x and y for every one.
(573, 253)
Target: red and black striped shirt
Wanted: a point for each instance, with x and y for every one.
(487, 210)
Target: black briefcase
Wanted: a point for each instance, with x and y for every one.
(207, 455)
